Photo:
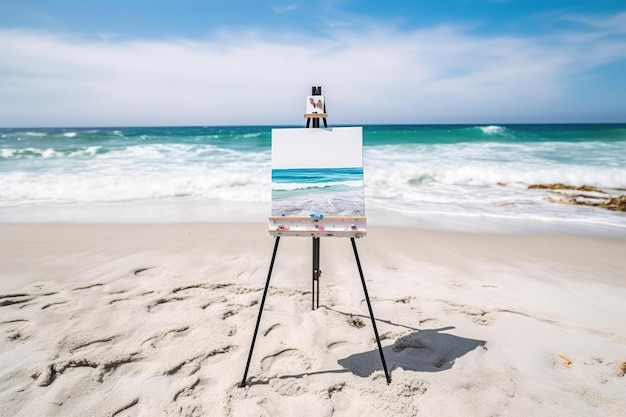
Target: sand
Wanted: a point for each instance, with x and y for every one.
(151, 320)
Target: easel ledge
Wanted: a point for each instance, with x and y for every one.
(316, 119)
(332, 226)
(333, 218)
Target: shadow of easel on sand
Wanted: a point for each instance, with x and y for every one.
(426, 350)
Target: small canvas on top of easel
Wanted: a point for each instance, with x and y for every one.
(315, 105)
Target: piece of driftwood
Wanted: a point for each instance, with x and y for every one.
(559, 186)
(610, 203)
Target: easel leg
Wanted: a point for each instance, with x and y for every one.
(258, 321)
(316, 274)
(369, 306)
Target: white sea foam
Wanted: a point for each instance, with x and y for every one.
(491, 180)
(7, 153)
(135, 173)
(116, 186)
(492, 129)
(47, 153)
(70, 134)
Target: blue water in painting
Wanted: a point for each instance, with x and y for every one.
(321, 176)
(463, 177)
(327, 191)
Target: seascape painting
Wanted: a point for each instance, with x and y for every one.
(317, 172)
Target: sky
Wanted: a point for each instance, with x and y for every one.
(75, 63)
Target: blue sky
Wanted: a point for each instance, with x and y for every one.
(191, 62)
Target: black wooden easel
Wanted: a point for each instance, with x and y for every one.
(316, 276)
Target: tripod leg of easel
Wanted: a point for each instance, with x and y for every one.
(369, 306)
(319, 274)
(315, 291)
(258, 320)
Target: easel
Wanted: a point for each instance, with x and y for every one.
(315, 117)
(316, 270)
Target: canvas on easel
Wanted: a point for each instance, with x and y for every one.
(315, 105)
(317, 182)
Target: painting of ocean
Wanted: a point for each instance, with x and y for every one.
(318, 171)
(325, 191)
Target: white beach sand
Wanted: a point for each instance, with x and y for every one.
(151, 320)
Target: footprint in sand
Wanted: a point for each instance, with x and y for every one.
(82, 344)
(232, 310)
(229, 313)
(189, 366)
(89, 287)
(102, 366)
(478, 316)
(337, 345)
(288, 387)
(340, 348)
(213, 301)
(166, 336)
(356, 322)
(129, 298)
(286, 361)
(191, 288)
(143, 271)
(22, 298)
(271, 328)
(163, 301)
(404, 300)
(409, 341)
(53, 305)
(14, 329)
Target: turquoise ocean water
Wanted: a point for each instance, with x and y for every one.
(326, 191)
(462, 177)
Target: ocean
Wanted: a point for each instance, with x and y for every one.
(453, 177)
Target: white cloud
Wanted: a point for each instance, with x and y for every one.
(284, 8)
(432, 75)
(611, 25)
